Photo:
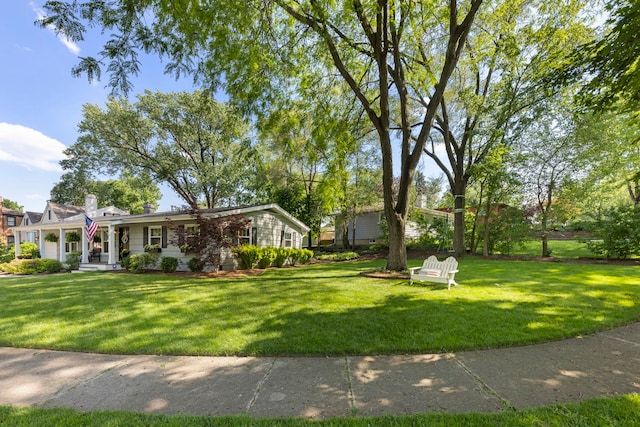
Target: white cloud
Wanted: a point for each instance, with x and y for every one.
(30, 148)
(70, 45)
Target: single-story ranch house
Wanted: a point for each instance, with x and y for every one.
(61, 230)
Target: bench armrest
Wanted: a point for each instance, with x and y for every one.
(413, 270)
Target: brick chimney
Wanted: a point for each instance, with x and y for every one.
(148, 208)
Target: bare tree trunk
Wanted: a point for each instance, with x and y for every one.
(459, 203)
(397, 259)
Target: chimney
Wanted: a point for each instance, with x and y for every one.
(90, 205)
(148, 208)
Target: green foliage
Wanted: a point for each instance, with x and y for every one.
(305, 255)
(509, 230)
(10, 204)
(31, 266)
(51, 237)
(7, 252)
(617, 234)
(267, 256)
(195, 265)
(72, 237)
(248, 255)
(282, 255)
(338, 256)
(29, 250)
(435, 233)
(169, 264)
(139, 263)
(73, 260)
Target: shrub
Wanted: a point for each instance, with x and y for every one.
(282, 255)
(248, 255)
(618, 234)
(169, 264)
(31, 266)
(294, 256)
(139, 263)
(7, 253)
(339, 256)
(305, 255)
(73, 261)
(52, 265)
(195, 265)
(29, 250)
(267, 256)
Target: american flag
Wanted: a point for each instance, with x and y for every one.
(91, 228)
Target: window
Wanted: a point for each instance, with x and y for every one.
(244, 238)
(288, 239)
(11, 221)
(155, 236)
(71, 247)
(11, 240)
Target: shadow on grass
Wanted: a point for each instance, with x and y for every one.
(325, 309)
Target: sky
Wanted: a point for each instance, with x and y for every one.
(41, 102)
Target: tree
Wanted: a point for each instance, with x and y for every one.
(396, 57)
(209, 237)
(129, 192)
(609, 64)
(10, 204)
(549, 162)
(496, 89)
(187, 140)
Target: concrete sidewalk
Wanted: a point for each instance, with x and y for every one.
(604, 364)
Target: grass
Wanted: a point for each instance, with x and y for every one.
(610, 412)
(567, 249)
(323, 309)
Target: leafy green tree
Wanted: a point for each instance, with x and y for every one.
(197, 146)
(129, 192)
(10, 204)
(609, 64)
(496, 88)
(395, 57)
(550, 160)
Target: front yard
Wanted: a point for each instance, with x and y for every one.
(323, 309)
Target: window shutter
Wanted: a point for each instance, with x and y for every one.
(164, 236)
(145, 236)
(281, 238)
(254, 236)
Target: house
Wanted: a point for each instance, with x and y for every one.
(8, 218)
(60, 231)
(369, 225)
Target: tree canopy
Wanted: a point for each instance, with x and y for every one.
(197, 146)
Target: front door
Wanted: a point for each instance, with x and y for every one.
(123, 232)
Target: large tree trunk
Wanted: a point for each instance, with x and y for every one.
(397, 258)
(459, 203)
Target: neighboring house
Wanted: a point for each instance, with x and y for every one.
(368, 226)
(118, 230)
(8, 218)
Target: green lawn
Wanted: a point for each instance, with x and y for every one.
(568, 249)
(323, 309)
(623, 411)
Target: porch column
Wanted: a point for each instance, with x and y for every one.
(61, 245)
(17, 235)
(41, 242)
(113, 250)
(85, 243)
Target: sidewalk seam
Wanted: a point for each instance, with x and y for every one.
(259, 385)
(65, 389)
(483, 385)
(350, 394)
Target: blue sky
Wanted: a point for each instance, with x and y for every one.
(41, 102)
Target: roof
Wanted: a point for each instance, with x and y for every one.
(11, 212)
(65, 211)
(68, 212)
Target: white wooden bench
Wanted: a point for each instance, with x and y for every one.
(436, 271)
